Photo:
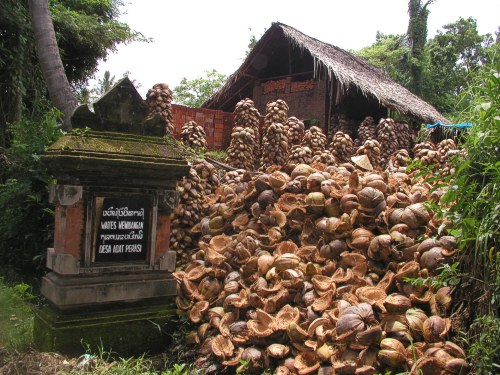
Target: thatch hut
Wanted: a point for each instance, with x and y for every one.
(318, 81)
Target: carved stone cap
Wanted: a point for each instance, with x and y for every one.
(117, 145)
(90, 157)
(121, 109)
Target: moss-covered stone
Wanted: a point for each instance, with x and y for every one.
(85, 140)
(124, 331)
(84, 155)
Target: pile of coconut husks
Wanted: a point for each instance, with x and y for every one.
(310, 267)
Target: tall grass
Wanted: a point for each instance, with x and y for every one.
(104, 364)
(16, 317)
(474, 200)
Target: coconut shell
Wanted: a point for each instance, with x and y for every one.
(363, 162)
(313, 258)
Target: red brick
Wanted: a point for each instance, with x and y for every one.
(68, 229)
(162, 235)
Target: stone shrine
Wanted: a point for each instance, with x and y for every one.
(111, 270)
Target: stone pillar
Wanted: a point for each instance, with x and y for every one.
(111, 280)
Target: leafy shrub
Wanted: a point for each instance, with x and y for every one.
(26, 223)
(16, 316)
(485, 348)
(475, 213)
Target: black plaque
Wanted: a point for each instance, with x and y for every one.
(122, 229)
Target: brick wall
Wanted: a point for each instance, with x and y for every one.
(217, 124)
(306, 99)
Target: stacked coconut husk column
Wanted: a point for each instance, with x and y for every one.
(275, 141)
(299, 155)
(195, 192)
(388, 139)
(342, 147)
(159, 100)
(315, 139)
(295, 130)
(367, 131)
(244, 149)
(193, 136)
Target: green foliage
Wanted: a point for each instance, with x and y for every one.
(219, 155)
(440, 69)
(16, 317)
(106, 363)
(193, 93)
(178, 369)
(104, 84)
(491, 47)
(103, 364)
(446, 275)
(453, 55)
(389, 53)
(476, 192)
(484, 352)
(22, 88)
(243, 367)
(87, 30)
(24, 291)
(26, 220)
(475, 213)
(471, 203)
(253, 41)
(417, 38)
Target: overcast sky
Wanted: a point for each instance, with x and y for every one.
(192, 36)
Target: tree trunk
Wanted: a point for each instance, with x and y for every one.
(417, 38)
(60, 92)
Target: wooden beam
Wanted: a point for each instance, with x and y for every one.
(330, 94)
(248, 76)
(235, 94)
(286, 75)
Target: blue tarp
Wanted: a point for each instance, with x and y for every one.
(458, 126)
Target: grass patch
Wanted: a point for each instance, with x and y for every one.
(219, 155)
(16, 316)
(18, 357)
(105, 363)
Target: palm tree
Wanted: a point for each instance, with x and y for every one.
(60, 92)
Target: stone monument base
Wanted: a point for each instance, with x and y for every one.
(122, 330)
(76, 291)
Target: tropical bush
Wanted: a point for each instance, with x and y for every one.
(474, 200)
(16, 316)
(26, 222)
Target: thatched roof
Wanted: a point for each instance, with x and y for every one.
(348, 70)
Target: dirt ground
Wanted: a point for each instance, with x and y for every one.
(39, 363)
(34, 363)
